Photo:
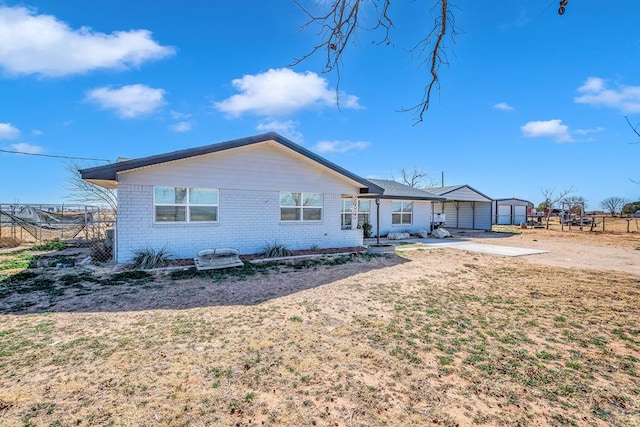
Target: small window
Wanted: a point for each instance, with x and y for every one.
(300, 206)
(401, 213)
(364, 211)
(182, 204)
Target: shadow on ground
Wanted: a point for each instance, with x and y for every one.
(41, 290)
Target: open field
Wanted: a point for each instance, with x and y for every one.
(430, 337)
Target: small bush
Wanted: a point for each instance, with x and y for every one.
(276, 250)
(150, 258)
(52, 245)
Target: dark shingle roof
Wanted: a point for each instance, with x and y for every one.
(397, 190)
(109, 172)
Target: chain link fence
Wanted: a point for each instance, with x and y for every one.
(90, 228)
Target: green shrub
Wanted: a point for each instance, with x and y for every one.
(275, 250)
(51, 245)
(150, 258)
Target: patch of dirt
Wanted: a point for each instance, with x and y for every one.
(431, 337)
(597, 251)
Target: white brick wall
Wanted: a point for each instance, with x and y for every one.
(421, 218)
(248, 219)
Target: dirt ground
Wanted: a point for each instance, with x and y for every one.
(617, 252)
(428, 337)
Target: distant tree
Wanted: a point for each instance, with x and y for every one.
(415, 178)
(630, 208)
(81, 191)
(551, 199)
(613, 204)
(543, 206)
(575, 204)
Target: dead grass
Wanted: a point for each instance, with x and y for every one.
(440, 337)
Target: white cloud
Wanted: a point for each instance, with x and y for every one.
(547, 128)
(180, 127)
(36, 132)
(339, 146)
(8, 131)
(502, 106)
(589, 131)
(286, 129)
(176, 115)
(595, 92)
(281, 91)
(41, 44)
(23, 147)
(128, 101)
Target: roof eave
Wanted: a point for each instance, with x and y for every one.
(109, 173)
(407, 197)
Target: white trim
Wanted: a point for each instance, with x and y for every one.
(301, 207)
(187, 206)
(354, 224)
(402, 213)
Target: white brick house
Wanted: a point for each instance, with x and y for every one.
(242, 194)
(402, 208)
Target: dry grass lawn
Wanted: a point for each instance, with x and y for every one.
(429, 337)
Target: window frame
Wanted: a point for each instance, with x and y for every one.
(347, 213)
(187, 205)
(402, 212)
(301, 207)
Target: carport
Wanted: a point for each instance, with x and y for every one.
(510, 211)
(464, 207)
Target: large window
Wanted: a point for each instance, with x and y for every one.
(364, 211)
(182, 204)
(300, 206)
(401, 213)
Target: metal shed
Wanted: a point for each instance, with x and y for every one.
(511, 211)
(464, 208)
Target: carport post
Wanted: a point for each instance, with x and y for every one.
(377, 220)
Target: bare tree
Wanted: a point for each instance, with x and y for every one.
(82, 191)
(574, 202)
(613, 204)
(415, 178)
(551, 199)
(340, 24)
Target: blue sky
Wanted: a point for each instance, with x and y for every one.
(530, 100)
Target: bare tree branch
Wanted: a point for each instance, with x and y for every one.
(551, 198)
(634, 128)
(434, 50)
(84, 192)
(415, 178)
(339, 27)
